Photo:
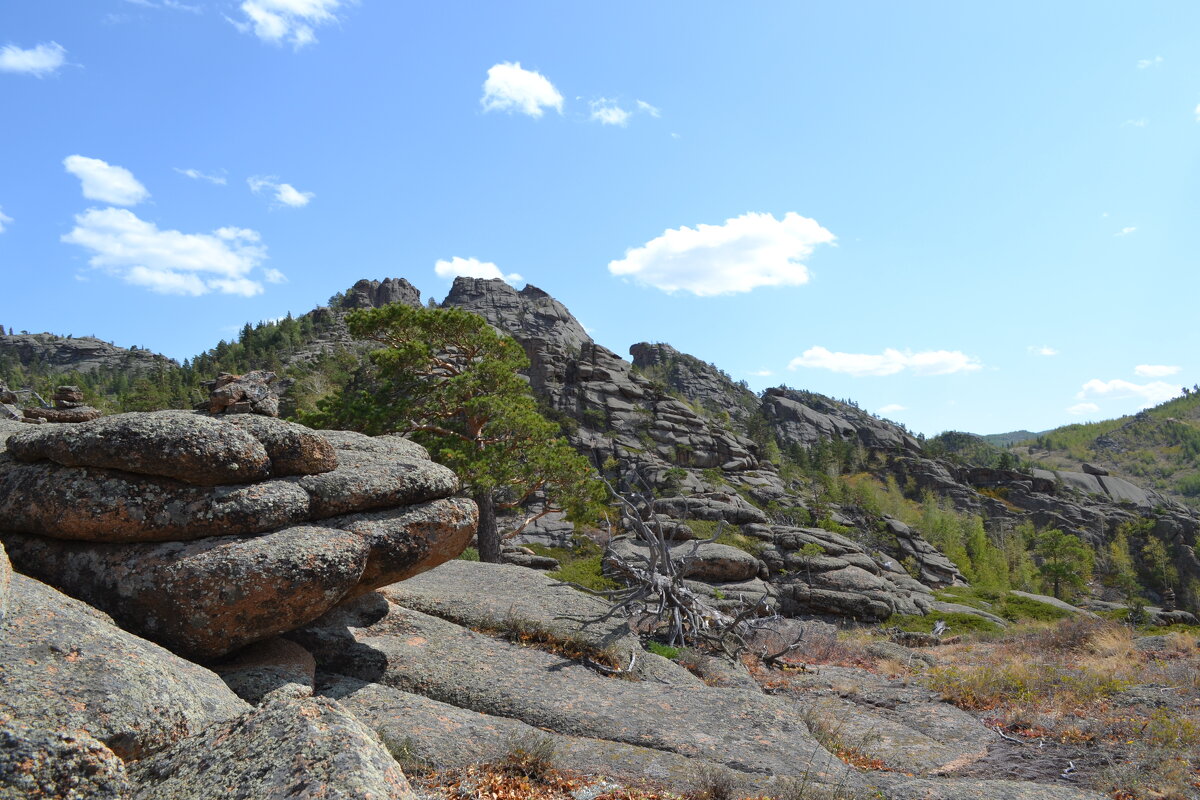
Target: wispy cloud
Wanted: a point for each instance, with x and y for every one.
(105, 182)
(1155, 370)
(39, 61)
(1042, 350)
(291, 21)
(1126, 231)
(645, 107)
(891, 408)
(739, 255)
(4, 220)
(472, 268)
(282, 193)
(169, 261)
(171, 4)
(607, 112)
(1140, 122)
(510, 88)
(197, 175)
(1151, 394)
(1147, 63)
(1083, 408)
(889, 362)
(761, 373)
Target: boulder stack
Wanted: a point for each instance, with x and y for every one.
(205, 534)
(69, 406)
(252, 393)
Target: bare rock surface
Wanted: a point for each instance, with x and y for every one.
(376, 641)
(170, 444)
(57, 765)
(102, 505)
(709, 562)
(271, 666)
(292, 449)
(902, 787)
(66, 666)
(6, 575)
(296, 748)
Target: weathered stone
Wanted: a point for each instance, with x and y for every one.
(100, 505)
(63, 415)
(251, 393)
(269, 667)
(410, 540)
(66, 666)
(57, 765)
(82, 354)
(206, 598)
(372, 640)
(292, 449)
(302, 748)
(714, 506)
(171, 444)
(710, 562)
(376, 294)
(5, 582)
(1092, 469)
(1061, 605)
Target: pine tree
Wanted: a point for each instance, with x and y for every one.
(453, 382)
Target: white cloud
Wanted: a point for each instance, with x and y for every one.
(272, 275)
(1042, 350)
(510, 88)
(762, 373)
(649, 109)
(1198, 113)
(1151, 394)
(197, 175)
(104, 182)
(607, 112)
(40, 61)
(1125, 231)
(891, 408)
(1140, 122)
(4, 220)
(171, 4)
(744, 253)
(1146, 63)
(1155, 370)
(1083, 408)
(168, 261)
(284, 193)
(472, 268)
(279, 21)
(889, 362)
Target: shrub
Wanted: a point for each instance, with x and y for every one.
(664, 650)
(956, 623)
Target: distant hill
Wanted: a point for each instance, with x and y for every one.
(1159, 447)
(1010, 438)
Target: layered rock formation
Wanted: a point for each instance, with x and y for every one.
(84, 354)
(206, 534)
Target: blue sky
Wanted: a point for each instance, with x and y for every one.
(959, 215)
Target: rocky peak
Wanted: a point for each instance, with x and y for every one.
(805, 418)
(374, 294)
(701, 383)
(528, 315)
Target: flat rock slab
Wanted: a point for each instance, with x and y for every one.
(65, 666)
(709, 562)
(57, 765)
(428, 733)
(102, 505)
(376, 641)
(269, 666)
(172, 444)
(6, 574)
(897, 787)
(295, 748)
(1061, 605)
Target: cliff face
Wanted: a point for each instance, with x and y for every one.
(85, 355)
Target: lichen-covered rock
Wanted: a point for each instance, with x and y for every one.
(170, 444)
(265, 668)
(66, 666)
(296, 748)
(57, 765)
(63, 415)
(206, 598)
(252, 393)
(710, 562)
(5, 582)
(293, 449)
(100, 505)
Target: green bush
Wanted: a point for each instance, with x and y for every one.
(659, 649)
(1015, 608)
(956, 622)
(587, 572)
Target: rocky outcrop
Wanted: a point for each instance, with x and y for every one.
(805, 418)
(376, 294)
(252, 393)
(65, 666)
(205, 570)
(69, 406)
(698, 382)
(85, 354)
(303, 748)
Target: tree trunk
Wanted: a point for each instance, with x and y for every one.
(488, 535)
